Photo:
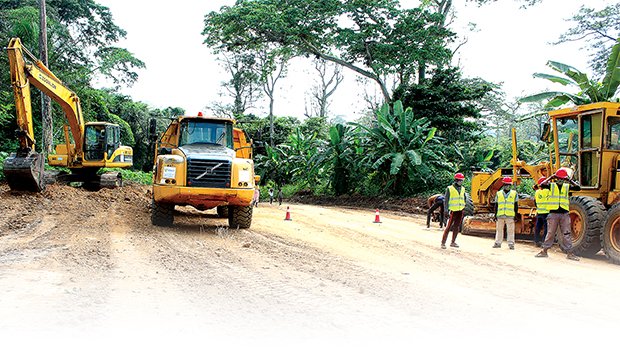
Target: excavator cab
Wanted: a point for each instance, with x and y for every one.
(101, 140)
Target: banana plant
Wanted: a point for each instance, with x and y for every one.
(404, 149)
(589, 90)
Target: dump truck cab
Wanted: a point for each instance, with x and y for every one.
(204, 162)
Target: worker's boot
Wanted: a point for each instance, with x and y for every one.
(571, 256)
(543, 253)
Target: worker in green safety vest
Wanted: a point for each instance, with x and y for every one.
(542, 210)
(454, 202)
(506, 207)
(559, 206)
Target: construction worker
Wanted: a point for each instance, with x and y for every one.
(559, 204)
(506, 207)
(455, 203)
(542, 210)
(434, 202)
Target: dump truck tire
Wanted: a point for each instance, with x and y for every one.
(239, 216)
(587, 217)
(222, 211)
(611, 235)
(162, 214)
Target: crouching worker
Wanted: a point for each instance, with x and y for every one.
(558, 217)
(506, 207)
(435, 202)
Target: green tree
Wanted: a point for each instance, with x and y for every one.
(599, 30)
(448, 101)
(373, 38)
(590, 90)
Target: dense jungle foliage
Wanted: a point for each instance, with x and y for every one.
(428, 122)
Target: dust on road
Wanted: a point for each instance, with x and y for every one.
(73, 260)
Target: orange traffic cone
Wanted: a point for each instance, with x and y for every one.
(377, 219)
(288, 215)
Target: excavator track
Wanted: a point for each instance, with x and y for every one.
(24, 171)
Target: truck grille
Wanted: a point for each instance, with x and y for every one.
(208, 173)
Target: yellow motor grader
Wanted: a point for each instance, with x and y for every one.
(204, 162)
(585, 139)
(88, 146)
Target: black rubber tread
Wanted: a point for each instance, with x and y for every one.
(222, 211)
(612, 253)
(240, 216)
(593, 213)
(469, 206)
(162, 214)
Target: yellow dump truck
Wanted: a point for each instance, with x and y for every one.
(204, 162)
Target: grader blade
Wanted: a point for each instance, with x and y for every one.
(24, 171)
(478, 226)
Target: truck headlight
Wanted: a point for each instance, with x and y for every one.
(172, 159)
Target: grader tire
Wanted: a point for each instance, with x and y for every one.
(162, 214)
(587, 216)
(239, 216)
(469, 206)
(467, 211)
(611, 235)
(222, 211)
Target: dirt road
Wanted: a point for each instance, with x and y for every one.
(79, 268)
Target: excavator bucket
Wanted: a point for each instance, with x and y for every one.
(24, 171)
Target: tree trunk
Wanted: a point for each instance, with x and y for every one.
(46, 103)
(271, 121)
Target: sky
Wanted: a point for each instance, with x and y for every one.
(508, 46)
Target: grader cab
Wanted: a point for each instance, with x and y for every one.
(585, 139)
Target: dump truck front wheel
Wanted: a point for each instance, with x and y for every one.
(587, 216)
(162, 214)
(611, 235)
(239, 216)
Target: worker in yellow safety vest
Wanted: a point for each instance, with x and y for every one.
(559, 205)
(506, 207)
(542, 210)
(454, 202)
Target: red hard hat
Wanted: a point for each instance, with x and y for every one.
(562, 173)
(541, 180)
(459, 176)
(507, 180)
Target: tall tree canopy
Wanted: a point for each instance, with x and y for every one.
(599, 29)
(375, 38)
(81, 42)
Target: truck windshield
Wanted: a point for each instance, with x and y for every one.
(204, 132)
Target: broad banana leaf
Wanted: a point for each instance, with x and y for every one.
(397, 162)
(415, 158)
(431, 135)
(611, 81)
(541, 96)
(558, 101)
(555, 79)
(580, 78)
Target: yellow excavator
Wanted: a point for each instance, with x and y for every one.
(88, 147)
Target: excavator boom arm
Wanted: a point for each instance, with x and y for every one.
(22, 75)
